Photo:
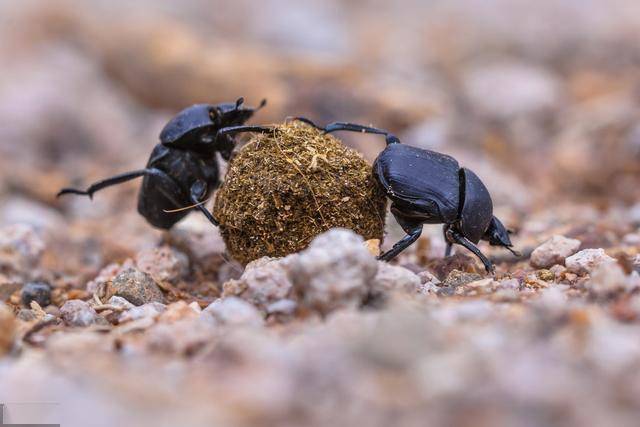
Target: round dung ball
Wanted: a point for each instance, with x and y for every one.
(284, 188)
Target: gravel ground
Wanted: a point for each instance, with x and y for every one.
(105, 320)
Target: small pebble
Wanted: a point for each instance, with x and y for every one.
(587, 260)
(234, 311)
(163, 263)
(264, 281)
(554, 251)
(393, 277)
(136, 287)
(336, 270)
(146, 311)
(8, 327)
(39, 292)
(79, 313)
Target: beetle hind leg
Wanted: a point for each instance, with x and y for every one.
(108, 182)
(197, 192)
(461, 240)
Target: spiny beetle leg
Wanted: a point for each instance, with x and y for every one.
(97, 186)
(461, 240)
(198, 190)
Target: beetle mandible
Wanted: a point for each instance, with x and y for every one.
(427, 187)
(182, 169)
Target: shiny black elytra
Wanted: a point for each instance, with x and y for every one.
(427, 187)
(183, 169)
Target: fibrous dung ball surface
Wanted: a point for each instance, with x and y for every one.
(285, 188)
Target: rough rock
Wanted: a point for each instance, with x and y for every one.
(79, 313)
(163, 263)
(120, 303)
(606, 278)
(21, 248)
(554, 251)
(264, 281)
(39, 292)
(587, 260)
(335, 271)
(151, 311)
(234, 311)
(135, 286)
(107, 274)
(8, 326)
(392, 277)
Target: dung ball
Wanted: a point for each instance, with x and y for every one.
(284, 188)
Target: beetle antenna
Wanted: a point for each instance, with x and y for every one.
(262, 104)
(186, 207)
(239, 102)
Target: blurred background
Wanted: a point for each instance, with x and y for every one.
(540, 98)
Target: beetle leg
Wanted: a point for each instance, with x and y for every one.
(114, 180)
(240, 129)
(198, 190)
(351, 127)
(447, 251)
(413, 230)
(403, 244)
(461, 240)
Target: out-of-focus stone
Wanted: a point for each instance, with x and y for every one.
(373, 245)
(392, 277)
(177, 311)
(606, 278)
(8, 287)
(234, 311)
(554, 251)
(264, 281)
(8, 327)
(21, 248)
(334, 271)
(107, 274)
(79, 313)
(39, 292)
(120, 303)
(587, 260)
(428, 283)
(283, 306)
(135, 286)
(163, 263)
(151, 310)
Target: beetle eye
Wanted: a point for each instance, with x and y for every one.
(213, 114)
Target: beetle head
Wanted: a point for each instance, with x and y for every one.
(233, 114)
(498, 235)
(195, 127)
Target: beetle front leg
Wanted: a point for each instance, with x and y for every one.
(350, 127)
(197, 192)
(461, 240)
(413, 230)
(232, 130)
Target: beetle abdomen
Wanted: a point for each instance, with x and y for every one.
(477, 208)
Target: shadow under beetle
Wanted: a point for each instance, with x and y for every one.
(427, 187)
(183, 169)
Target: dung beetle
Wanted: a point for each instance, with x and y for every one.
(427, 187)
(183, 169)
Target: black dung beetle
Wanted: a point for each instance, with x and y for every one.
(182, 169)
(427, 187)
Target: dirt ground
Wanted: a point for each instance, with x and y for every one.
(105, 320)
